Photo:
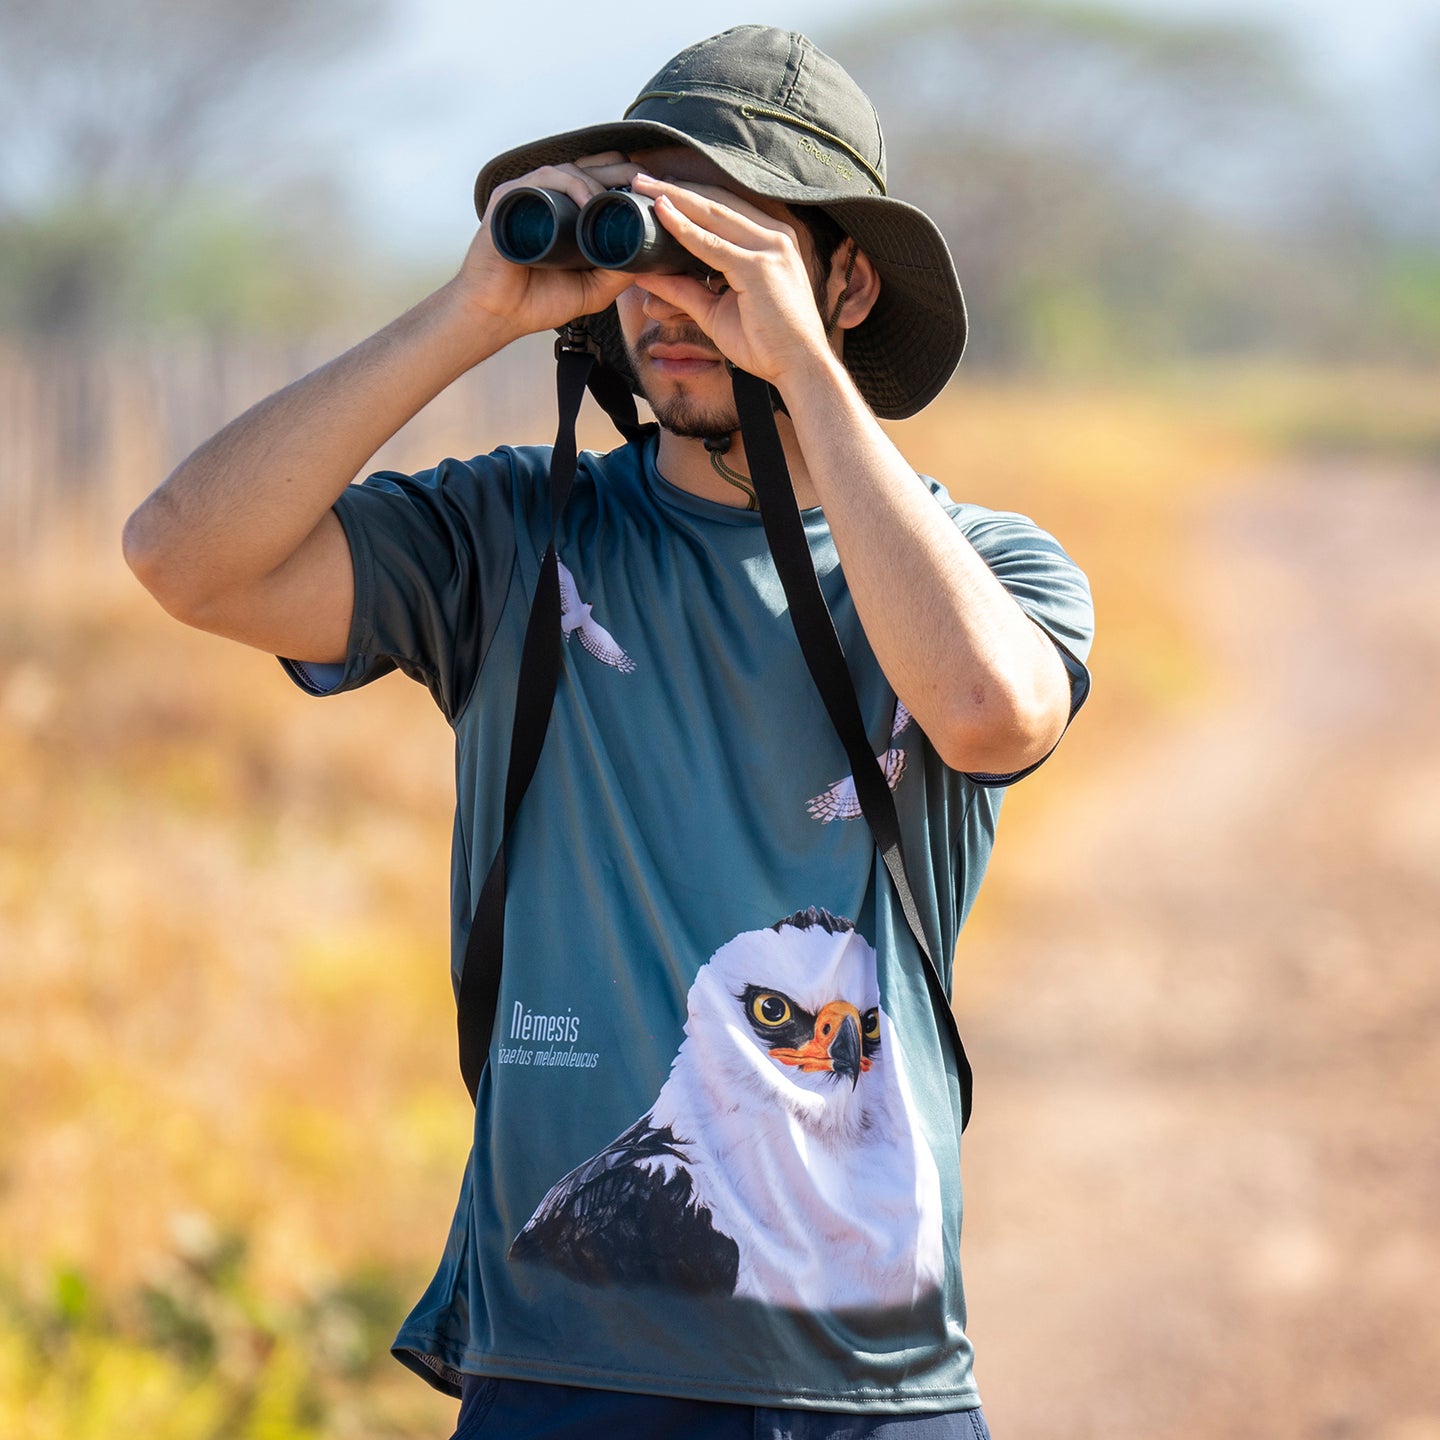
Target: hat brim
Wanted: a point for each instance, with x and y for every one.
(904, 351)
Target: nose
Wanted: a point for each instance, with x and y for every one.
(660, 310)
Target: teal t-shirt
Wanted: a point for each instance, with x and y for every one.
(716, 1147)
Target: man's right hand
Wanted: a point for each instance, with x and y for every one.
(525, 299)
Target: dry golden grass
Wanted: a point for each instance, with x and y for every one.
(224, 908)
(224, 1002)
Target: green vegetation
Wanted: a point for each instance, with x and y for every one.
(196, 1353)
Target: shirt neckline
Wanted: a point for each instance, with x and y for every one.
(672, 495)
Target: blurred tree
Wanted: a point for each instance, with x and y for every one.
(1409, 271)
(1117, 186)
(132, 126)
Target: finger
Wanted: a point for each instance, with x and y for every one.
(715, 250)
(682, 291)
(612, 177)
(606, 157)
(601, 288)
(567, 179)
(614, 170)
(716, 208)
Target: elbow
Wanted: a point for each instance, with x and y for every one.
(145, 551)
(997, 730)
(137, 545)
(154, 559)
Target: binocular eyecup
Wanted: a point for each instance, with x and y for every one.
(615, 230)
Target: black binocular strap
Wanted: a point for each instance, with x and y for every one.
(825, 659)
(534, 698)
(540, 660)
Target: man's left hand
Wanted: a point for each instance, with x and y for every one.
(767, 321)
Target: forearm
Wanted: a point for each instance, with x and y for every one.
(244, 502)
(983, 682)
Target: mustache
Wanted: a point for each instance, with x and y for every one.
(684, 334)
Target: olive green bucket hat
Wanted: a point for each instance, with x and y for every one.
(781, 119)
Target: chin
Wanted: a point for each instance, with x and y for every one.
(685, 414)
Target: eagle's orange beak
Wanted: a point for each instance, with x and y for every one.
(835, 1046)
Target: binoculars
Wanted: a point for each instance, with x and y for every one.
(615, 230)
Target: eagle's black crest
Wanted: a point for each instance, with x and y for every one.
(806, 919)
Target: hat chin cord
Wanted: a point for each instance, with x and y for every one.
(719, 445)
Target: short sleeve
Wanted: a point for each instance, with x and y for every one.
(1047, 585)
(433, 555)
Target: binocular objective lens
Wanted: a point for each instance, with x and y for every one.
(614, 234)
(526, 229)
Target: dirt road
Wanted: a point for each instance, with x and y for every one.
(1203, 1182)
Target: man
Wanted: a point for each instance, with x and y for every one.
(714, 1188)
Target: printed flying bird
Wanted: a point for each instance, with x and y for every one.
(575, 617)
(783, 1159)
(840, 802)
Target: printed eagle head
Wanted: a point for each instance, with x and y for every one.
(789, 1017)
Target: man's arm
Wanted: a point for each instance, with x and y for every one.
(241, 539)
(985, 684)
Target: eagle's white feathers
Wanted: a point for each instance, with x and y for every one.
(828, 1188)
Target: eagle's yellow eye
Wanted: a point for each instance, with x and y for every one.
(870, 1022)
(768, 1008)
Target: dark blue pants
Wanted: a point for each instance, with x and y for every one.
(527, 1410)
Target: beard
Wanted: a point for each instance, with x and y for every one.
(679, 410)
(682, 414)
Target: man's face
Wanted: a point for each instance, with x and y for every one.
(681, 373)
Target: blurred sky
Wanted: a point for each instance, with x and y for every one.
(446, 85)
